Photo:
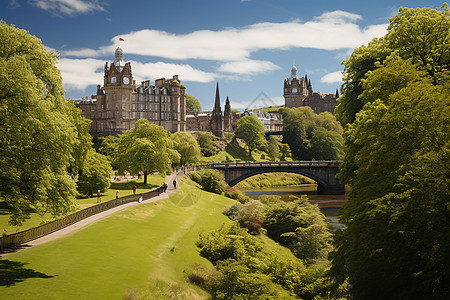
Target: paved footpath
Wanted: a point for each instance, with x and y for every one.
(83, 223)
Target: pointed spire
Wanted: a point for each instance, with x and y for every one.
(337, 93)
(217, 109)
(227, 110)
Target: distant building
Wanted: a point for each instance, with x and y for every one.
(298, 92)
(120, 102)
(219, 123)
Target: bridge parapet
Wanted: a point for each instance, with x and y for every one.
(323, 172)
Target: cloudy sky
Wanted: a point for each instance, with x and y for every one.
(248, 46)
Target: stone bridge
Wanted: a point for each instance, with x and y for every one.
(323, 172)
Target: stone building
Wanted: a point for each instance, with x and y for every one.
(219, 123)
(298, 92)
(120, 102)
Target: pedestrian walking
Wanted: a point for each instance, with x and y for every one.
(141, 198)
(98, 197)
(174, 184)
(134, 190)
(117, 194)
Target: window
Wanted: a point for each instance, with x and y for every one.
(123, 97)
(134, 106)
(141, 106)
(141, 90)
(141, 115)
(150, 98)
(117, 105)
(134, 97)
(156, 106)
(134, 115)
(141, 97)
(124, 105)
(149, 107)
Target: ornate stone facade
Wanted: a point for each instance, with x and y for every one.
(120, 102)
(298, 92)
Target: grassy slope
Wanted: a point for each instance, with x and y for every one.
(124, 188)
(135, 248)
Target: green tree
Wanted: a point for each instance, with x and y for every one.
(187, 147)
(285, 152)
(108, 146)
(41, 133)
(395, 243)
(211, 180)
(251, 130)
(312, 136)
(96, 175)
(300, 226)
(192, 105)
(146, 147)
(206, 140)
(273, 148)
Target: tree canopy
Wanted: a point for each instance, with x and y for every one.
(395, 243)
(96, 174)
(192, 105)
(145, 148)
(312, 136)
(251, 130)
(187, 147)
(41, 133)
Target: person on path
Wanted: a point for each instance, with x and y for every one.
(140, 198)
(98, 197)
(134, 190)
(117, 194)
(174, 184)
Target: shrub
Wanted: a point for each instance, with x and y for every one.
(210, 180)
(237, 195)
(249, 215)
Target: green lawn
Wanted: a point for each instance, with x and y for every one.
(143, 249)
(125, 188)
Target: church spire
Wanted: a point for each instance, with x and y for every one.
(217, 109)
(227, 110)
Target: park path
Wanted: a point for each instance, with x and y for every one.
(83, 223)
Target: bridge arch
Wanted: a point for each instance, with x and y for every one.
(323, 172)
(319, 181)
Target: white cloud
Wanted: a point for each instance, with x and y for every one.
(247, 67)
(78, 74)
(68, 7)
(331, 31)
(335, 77)
(157, 70)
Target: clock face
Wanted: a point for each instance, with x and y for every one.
(113, 79)
(126, 80)
(294, 90)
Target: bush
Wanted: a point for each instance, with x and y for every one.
(237, 195)
(249, 215)
(210, 180)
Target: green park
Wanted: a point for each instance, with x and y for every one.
(201, 236)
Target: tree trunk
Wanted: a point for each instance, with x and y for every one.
(145, 177)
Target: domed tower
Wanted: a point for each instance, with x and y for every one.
(115, 96)
(295, 89)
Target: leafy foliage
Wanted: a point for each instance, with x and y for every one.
(192, 105)
(96, 175)
(187, 147)
(146, 147)
(41, 133)
(249, 215)
(246, 270)
(312, 136)
(300, 226)
(395, 244)
(207, 145)
(251, 130)
(211, 180)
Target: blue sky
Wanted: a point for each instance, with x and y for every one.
(247, 46)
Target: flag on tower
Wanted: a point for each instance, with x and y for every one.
(121, 39)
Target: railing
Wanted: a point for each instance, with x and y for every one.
(318, 163)
(37, 232)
